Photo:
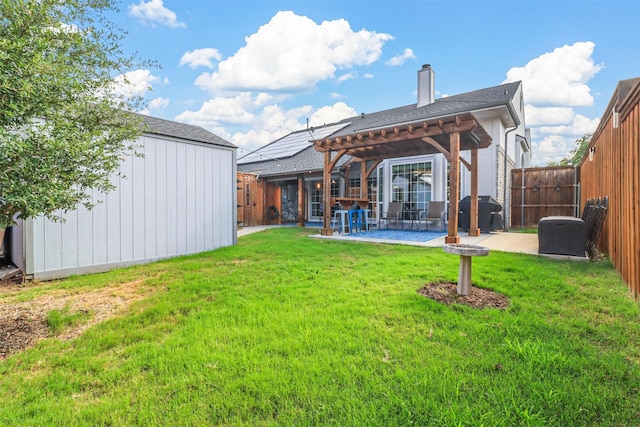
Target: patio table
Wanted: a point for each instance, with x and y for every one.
(412, 216)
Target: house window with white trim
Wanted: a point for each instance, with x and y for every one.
(411, 183)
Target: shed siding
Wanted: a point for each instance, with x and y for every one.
(178, 199)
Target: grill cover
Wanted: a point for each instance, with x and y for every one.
(488, 217)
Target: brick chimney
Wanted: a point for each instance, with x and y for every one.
(426, 86)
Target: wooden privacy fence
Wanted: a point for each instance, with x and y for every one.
(611, 166)
(540, 192)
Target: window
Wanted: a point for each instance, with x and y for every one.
(411, 184)
(354, 183)
(373, 194)
(316, 196)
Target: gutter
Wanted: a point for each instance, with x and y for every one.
(516, 120)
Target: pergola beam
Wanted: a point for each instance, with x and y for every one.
(384, 136)
(444, 151)
(418, 138)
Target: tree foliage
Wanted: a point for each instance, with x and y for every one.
(575, 155)
(61, 134)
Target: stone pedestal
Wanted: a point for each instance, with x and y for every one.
(464, 272)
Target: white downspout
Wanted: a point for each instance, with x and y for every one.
(506, 160)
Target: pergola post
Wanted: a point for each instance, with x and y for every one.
(364, 185)
(446, 135)
(300, 201)
(346, 169)
(326, 199)
(473, 223)
(454, 188)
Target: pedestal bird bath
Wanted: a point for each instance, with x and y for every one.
(464, 273)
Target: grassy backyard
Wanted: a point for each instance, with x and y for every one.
(287, 330)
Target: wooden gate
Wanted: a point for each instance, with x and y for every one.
(250, 200)
(540, 192)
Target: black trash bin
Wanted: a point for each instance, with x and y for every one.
(489, 218)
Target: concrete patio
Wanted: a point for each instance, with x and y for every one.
(525, 243)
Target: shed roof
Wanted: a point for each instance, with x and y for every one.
(158, 126)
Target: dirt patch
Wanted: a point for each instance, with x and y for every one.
(24, 323)
(478, 298)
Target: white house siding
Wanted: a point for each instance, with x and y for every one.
(491, 173)
(178, 199)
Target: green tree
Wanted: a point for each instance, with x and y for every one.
(575, 155)
(61, 134)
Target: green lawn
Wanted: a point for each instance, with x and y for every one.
(283, 329)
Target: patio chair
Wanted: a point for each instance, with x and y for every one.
(394, 213)
(436, 212)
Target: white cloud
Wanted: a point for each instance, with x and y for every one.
(559, 77)
(272, 123)
(153, 12)
(132, 84)
(400, 59)
(268, 122)
(551, 144)
(538, 116)
(336, 95)
(200, 57)
(292, 53)
(155, 105)
(554, 85)
(331, 114)
(552, 148)
(368, 76)
(221, 110)
(159, 102)
(345, 77)
(578, 127)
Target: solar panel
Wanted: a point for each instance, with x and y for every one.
(289, 145)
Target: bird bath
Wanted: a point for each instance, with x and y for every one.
(464, 273)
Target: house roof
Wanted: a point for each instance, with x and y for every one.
(427, 136)
(158, 126)
(448, 106)
(291, 144)
(307, 159)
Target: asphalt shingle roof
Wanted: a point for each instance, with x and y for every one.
(306, 160)
(311, 160)
(181, 130)
(289, 145)
(466, 102)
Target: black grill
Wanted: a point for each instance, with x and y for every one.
(489, 218)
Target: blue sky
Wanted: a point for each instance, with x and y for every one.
(253, 71)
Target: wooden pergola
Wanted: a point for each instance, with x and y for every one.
(446, 135)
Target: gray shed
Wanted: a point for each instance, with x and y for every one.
(180, 198)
